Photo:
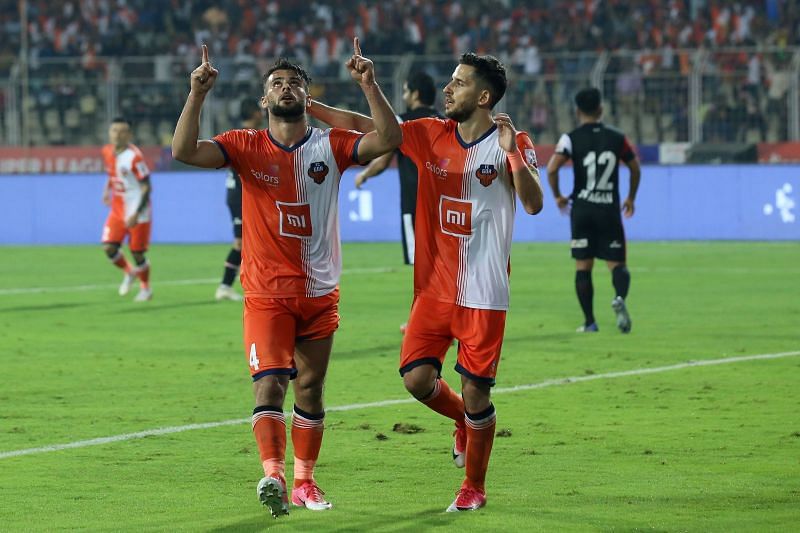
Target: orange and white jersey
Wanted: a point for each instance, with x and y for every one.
(125, 170)
(290, 230)
(465, 213)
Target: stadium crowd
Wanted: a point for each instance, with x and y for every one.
(531, 36)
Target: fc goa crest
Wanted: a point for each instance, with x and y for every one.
(486, 174)
(317, 171)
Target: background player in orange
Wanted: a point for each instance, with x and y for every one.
(291, 253)
(472, 166)
(127, 191)
(595, 218)
(252, 118)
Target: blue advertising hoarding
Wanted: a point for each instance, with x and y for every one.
(686, 202)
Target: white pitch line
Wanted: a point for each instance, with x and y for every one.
(385, 403)
(157, 283)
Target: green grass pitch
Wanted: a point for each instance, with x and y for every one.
(700, 448)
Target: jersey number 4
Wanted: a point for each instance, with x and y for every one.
(608, 160)
(253, 357)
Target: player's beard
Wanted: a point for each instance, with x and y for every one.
(290, 113)
(460, 115)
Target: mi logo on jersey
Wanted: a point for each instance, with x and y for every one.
(486, 174)
(295, 220)
(455, 216)
(317, 171)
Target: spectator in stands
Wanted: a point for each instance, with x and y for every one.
(779, 77)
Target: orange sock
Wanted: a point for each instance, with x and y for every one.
(120, 262)
(269, 428)
(307, 432)
(480, 436)
(143, 273)
(445, 401)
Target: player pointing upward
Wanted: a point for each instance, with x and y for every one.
(291, 257)
(472, 166)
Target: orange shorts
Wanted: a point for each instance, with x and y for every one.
(115, 230)
(272, 327)
(432, 327)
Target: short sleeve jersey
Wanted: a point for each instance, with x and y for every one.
(125, 172)
(290, 232)
(595, 150)
(465, 213)
(405, 166)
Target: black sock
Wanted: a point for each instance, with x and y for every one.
(585, 290)
(621, 279)
(232, 264)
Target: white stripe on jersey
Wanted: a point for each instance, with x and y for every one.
(463, 252)
(132, 193)
(321, 253)
(302, 196)
(485, 279)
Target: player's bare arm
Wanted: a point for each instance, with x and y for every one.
(628, 206)
(387, 135)
(185, 145)
(553, 166)
(146, 188)
(525, 180)
(375, 167)
(340, 118)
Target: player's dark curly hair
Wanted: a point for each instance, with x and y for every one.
(491, 71)
(284, 64)
(422, 82)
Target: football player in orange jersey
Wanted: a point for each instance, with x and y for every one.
(472, 166)
(291, 253)
(127, 191)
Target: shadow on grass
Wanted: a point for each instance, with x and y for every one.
(397, 519)
(46, 307)
(149, 307)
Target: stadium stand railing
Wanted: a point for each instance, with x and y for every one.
(726, 95)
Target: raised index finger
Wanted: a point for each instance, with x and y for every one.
(205, 54)
(356, 46)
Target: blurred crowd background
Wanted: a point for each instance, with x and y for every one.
(671, 71)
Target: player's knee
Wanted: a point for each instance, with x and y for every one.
(139, 257)
(420, 381)
(111, 249)
(309, 387)
(477, 395)
(270, 390)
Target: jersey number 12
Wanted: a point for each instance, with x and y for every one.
(608, 160)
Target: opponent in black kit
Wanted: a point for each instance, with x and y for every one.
(419, 94)
(596, 150)
(252, 118)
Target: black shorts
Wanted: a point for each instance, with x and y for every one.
(234, 201)
(597, 233)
